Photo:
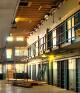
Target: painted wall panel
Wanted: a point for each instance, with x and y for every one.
(54, 72)
(72, 74)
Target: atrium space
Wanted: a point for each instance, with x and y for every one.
(40, 46)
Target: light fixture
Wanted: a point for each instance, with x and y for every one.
(38, 25)
(51, 58)
(22, 19)
(40, 7)
(47, 16)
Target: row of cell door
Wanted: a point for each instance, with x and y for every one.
(65, 74)
(39, 72)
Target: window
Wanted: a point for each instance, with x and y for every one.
(41, 44)
(29, 51)
(0, 68)
(19, 39)
(37, 48)
(69, 29)
(20, 51)
(77, 23)
(9, 38)
(54, 38)
(20, 68)
(49, 39)
(33, 49)
(61, 33)
(9, 53)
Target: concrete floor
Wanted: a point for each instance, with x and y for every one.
(7, 88)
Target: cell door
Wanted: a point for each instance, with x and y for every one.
(10, 71)
(78, 75)
(34, 72)
(45, 72)
(59, 73)
(64, 74)
(29, 71)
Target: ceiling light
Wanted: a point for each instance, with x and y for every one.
(29, 4)
(20, 19)
(40, 7)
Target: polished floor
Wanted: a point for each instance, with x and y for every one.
(7, 88)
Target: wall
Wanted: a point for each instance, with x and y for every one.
(66, 9)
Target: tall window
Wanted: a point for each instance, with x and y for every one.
(70, 28)
(8, 53)
(20, 51)
(20, 68)
(0, 68)
(41, 44)
(49, 39)
(33, 49)
(19, 39)
(36, 48)
(77, 24)
(9, 38)
(54, 38)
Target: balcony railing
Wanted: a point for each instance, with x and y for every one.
(43, 44)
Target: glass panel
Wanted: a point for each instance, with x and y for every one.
(37, 48)
(19, 39)
(41, 44)
(17, 68)
(69, 24)
(69, 29)
(54, 38)
(73, 33)
(49, 40)
(0, 68)
(22, 68)
(20, 51)
(9, 53)
(9, 38)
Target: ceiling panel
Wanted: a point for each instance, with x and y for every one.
(33, 12)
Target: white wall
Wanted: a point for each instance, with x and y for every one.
(66, 9)
(72, 74)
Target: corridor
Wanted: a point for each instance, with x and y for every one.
(7, 88)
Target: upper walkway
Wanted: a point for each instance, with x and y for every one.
(7, 88)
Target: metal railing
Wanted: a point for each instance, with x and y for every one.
(67, 36)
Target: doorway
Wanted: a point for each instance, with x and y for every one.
(10, 71)
(78, 75)
(63, 74)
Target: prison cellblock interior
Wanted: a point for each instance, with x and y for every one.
(78, 75)
(63, 74)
